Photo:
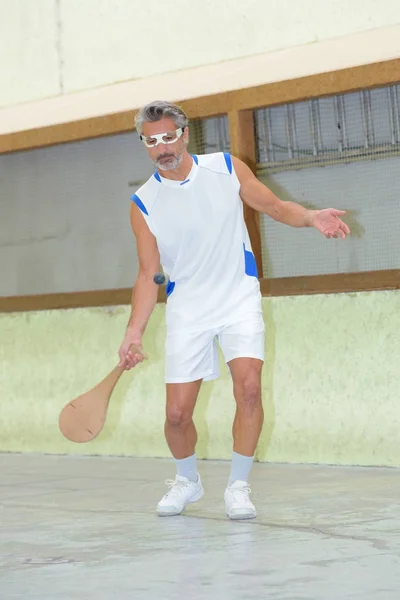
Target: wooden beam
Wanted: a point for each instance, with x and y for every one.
(91, 298)
(287, 286)
(269, 94)
(332, 284)
(243, 146)
(352, 79)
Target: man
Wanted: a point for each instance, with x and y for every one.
(189, 217)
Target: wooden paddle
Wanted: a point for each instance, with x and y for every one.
(82, 419)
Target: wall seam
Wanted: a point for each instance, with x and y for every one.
(59, 47)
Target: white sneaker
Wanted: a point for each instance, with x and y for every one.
(237, 501)
(181, 492)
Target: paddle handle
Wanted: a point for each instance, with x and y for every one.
(133, 348)
(112, 378)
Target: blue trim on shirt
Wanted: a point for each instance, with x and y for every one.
(195, 158)
(228, 160)
(250, 265)
(157, 176)
(169, 288)
(183, 182)
(139, 204)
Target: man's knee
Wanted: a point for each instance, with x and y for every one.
(177, 415)
(247, 389)
(249, 392)
(181, 400)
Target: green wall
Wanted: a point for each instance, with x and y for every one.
(331, 382)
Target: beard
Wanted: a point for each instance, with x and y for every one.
(168, 161)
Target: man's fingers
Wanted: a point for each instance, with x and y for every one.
(344, 228)
(131, 360)
(130, 364)
(131, 356)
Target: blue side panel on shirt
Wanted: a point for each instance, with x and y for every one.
(169, 288)
(139, 204)
(157, 176)
(196, 160)
(228, 160)
(250, 265)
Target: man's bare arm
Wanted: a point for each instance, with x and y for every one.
(261, 198)
(145, 291)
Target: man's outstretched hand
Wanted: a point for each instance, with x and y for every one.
(328, 223)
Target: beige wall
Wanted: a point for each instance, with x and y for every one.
(331, 382)
(29, 62)
(54, 47)
(146, 39)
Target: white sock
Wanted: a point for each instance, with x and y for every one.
(187, 467)
(240, 467)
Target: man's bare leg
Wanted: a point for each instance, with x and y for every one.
(180, 432)
(249, 417)
(247, 426)
(181, 436)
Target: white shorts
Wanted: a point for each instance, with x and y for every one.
(194, 355)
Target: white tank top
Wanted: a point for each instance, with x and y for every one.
(203, 243)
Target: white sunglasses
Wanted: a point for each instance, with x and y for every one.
(170, 137)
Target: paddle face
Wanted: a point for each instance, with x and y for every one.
(80, 423)
(82, 419)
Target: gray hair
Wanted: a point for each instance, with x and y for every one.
(155, 111)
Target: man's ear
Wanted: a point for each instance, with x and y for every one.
(186, 135)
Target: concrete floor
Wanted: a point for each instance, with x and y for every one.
(77, 528)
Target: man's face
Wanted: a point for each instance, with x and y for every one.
(165, 156)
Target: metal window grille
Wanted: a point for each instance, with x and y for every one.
(340, 151)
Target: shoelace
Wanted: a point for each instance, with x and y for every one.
(175, 485)
(246, 490)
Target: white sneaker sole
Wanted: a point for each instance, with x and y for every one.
(239, 514)
(171, 511)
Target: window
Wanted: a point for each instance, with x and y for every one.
(341, 151)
